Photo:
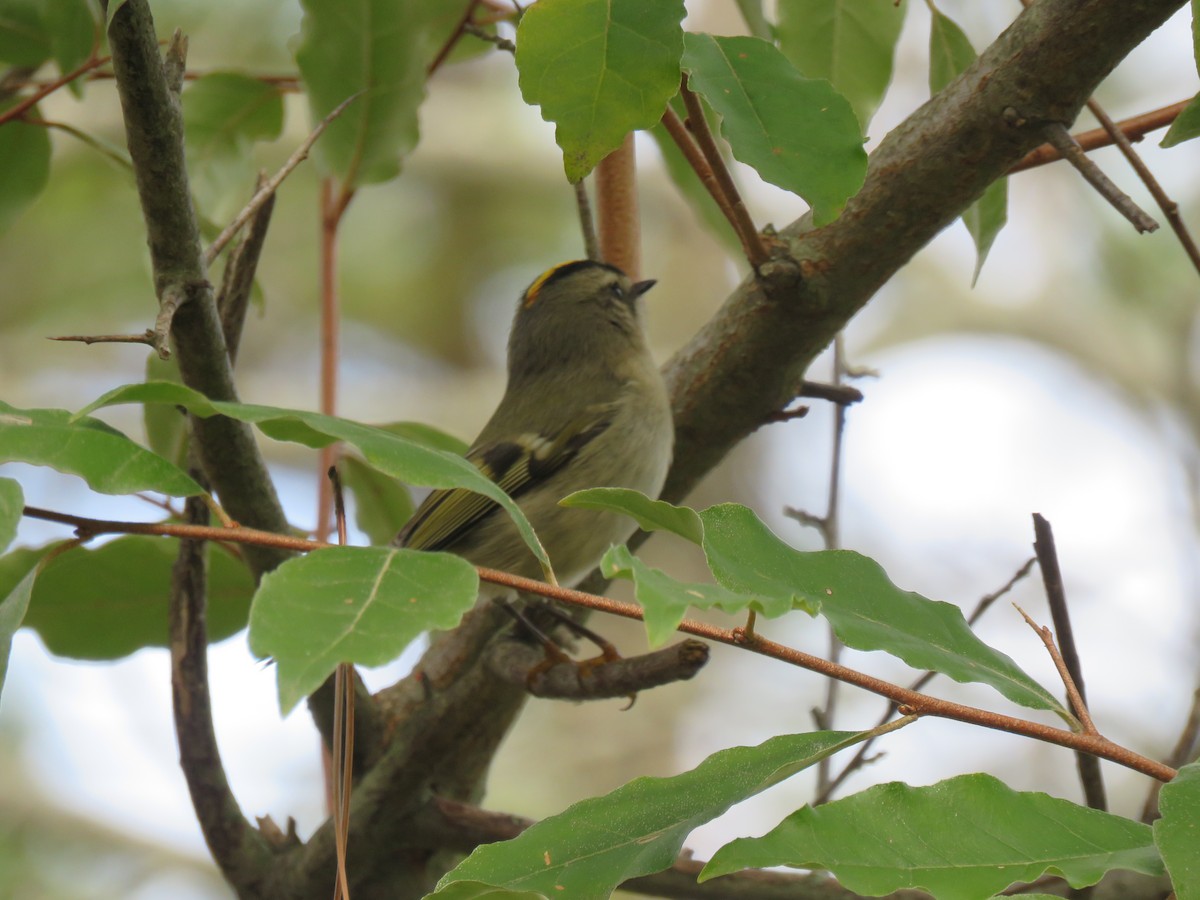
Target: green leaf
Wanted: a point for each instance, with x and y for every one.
(796, 132)
(665, 601)
(867, 611)
(692, 188)
(224, 114)
(426, 435)
(110, 462)
(1196, 33)
(594, 845)
(477, 890)
(381, 504)
(166, 426)
(961, 839)
(379, 49)
(12, 613)
(651, 515)
(1177, 833)
(853, 592)
(359, 605)
(984, 219)
(1186, 125)
(25, 41)
(950, 53)
(25, 150)
(413, 463)
(599, 69)
(851, 43)
(12, 501)
(106, 603)
(73, 31)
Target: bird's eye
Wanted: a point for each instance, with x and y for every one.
(617, 290)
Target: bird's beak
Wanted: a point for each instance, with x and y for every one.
(640, 287)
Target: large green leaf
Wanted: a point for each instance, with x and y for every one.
(110, 462)
(599, 69)
(950, 52)
(106, 603)
(588, 849)
(796, 132)
(25, 150)
(359, 605)
(73, 30)
(25, 40)
(410, 461)
(866, 610)
(851, 43)
(962, 839)
(477, 890)
(1177, 833)
(12, 501)
(379, 49)
(224, 114)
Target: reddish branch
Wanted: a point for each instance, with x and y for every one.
(910, 702)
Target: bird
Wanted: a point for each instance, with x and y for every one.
(584, 406)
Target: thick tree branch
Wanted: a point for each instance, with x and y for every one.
(154, 132)
(747, 359)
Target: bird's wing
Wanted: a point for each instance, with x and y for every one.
(515, 465)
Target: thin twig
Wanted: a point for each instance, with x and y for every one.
(173, 298)
(89, 528)
(502, 43)
(237, 281)
(587, 225)
(830, 527)
(146, 337)
(1134, 128)
(1065, 144)
(268, 189)
(459, 29)
(911, 702)
(331, 216)
(679, 133)
(1056, 595)
(1169, 207)
(1073, 697)
(756, 251)
(18, 110)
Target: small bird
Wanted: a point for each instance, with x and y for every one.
(585, 406)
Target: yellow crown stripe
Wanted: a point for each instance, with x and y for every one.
(532, 293)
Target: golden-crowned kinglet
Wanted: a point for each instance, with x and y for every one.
(585, 406)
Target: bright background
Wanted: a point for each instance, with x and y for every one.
(1066, 382)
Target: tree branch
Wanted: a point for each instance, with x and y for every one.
(745, 362)
(154, 132)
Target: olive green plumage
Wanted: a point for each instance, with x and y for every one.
(585, 406)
